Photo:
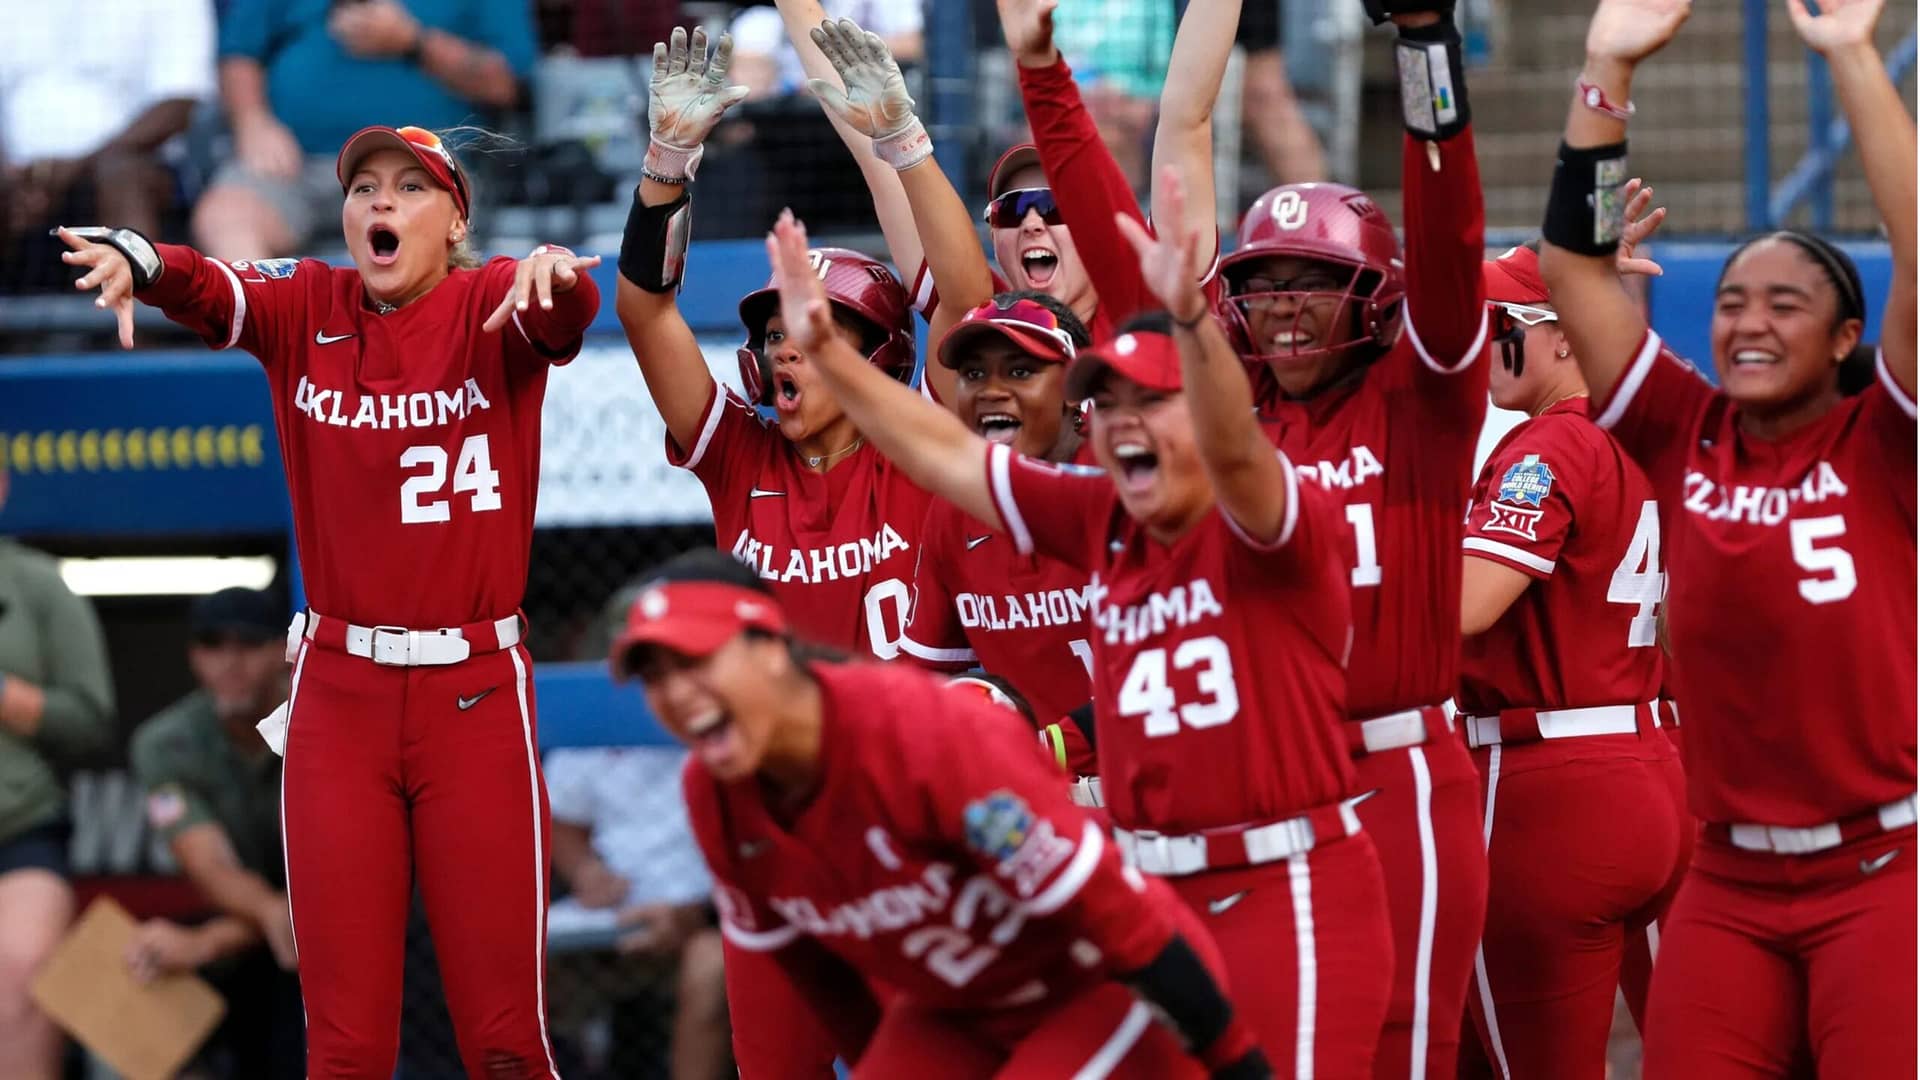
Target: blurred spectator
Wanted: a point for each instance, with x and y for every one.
(606, 27)
(764, 60)
(1118, 50)
(213, 795)
(1287, 143)
(88, 94)
(622, 844)
(298, 77)
(56, 706)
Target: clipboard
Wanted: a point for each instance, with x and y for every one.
(143, 1031)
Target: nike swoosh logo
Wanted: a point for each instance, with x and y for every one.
(320, 337)
(751, 848)
(974, 542)
(469, 702)
(1221, 906)
(1874, 866)
(757, 493)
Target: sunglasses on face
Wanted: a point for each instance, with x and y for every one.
(1509, 319)
(1010, 209)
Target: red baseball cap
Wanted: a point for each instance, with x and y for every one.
(1023, 156)
(1141, 356)
(693, 618)
(1031, 328)
(1514, 278)
(425, 147)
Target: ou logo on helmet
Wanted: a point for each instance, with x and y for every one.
(1289, 210)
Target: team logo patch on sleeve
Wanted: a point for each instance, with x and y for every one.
(268, 268)
(998, 824)
(1526, 482)
(1502, 518)
(165, 806)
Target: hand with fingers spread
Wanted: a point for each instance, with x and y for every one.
(1170, 265)
(108, 271)
(803, 296)
(1828, 26)
(1028, 27)
(685, 101)
(1640, 224)
(1628, 31)
(875, 101)
(548, 272)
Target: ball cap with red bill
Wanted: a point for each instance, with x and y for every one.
(424, 145)
(1514, 278)
(692, 618)
(1026, 325)
(1023, 156)
(1144, 357)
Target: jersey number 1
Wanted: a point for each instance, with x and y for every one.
(473, 471)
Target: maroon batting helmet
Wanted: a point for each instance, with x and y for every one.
(1329, 223)
(857, 283)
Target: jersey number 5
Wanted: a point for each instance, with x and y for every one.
(1146, 691)
(1834, 562)
(473, 471)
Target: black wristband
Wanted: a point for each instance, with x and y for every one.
(1382, 10)
(143, 259)
(1433, 81)
(1082, 719)
(1585, 207)
(653, 250)
(1179, 985)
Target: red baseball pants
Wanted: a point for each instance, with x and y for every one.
(1425, 821)
(1587, 839)
(1309, 954)
(1768, 961)
(776, 1035)
(387, 778)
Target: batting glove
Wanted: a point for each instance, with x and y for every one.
(875, 101)
(685, 102)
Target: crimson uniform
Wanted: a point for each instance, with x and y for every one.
(1023, 617)
(411, 447)
(1584, 800)
(1395, 443)
(1218, 691)
(1791, 614)
(940, 857)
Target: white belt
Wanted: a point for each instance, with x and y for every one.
(1086, 792)
(1786, 840)
(1174, 856)
(1565, 723)
(398, 646)
(1399, 730)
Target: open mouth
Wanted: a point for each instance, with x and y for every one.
(711, 737)
(1755, 358)
(1039, 264)
(1290, 340)
(998, 427)
(1138, 466)
(384, 244)
(786, 392)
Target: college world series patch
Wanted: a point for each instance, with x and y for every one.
(998, 824)
(1526, 482)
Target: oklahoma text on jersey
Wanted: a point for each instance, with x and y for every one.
(431, 408)
(853, 559)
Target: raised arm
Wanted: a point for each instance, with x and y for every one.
(1583, 223)
(688, 97)
(1183, 139)
(1251, 481)
(1843, 33)
(927, 441)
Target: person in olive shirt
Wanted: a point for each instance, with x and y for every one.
(56, 709)
(213, 794)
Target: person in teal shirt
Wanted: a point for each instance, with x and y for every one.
(297, 77)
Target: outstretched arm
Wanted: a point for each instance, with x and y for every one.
(1183, 140)
(1842, 31)
(931, 444)
(1253, 483)
(1601, 319)
(688, 97)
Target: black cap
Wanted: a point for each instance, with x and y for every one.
(248, 614)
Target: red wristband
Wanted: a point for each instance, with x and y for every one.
(1596, 99)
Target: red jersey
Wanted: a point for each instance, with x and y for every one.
(1791, 610)
(1218, 679)
(939, 854)
(1023, 617)
(836, 547)
(1395, 443)
(1560, 502)
(411, 440)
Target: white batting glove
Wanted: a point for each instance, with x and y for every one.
(685, 101)
(875, 102)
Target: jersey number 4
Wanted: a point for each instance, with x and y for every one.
(1146, 692)
(420, 500)
(1639, 581)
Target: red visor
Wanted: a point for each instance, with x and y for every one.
(694, 618)
(1015, 159)
(1514, 278)
(1031, 328)
(1149, 359)
(425, 147)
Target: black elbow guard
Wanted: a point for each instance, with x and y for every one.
(1082, 720)
(653, 251)
(1586, 210)
(1433, 83)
